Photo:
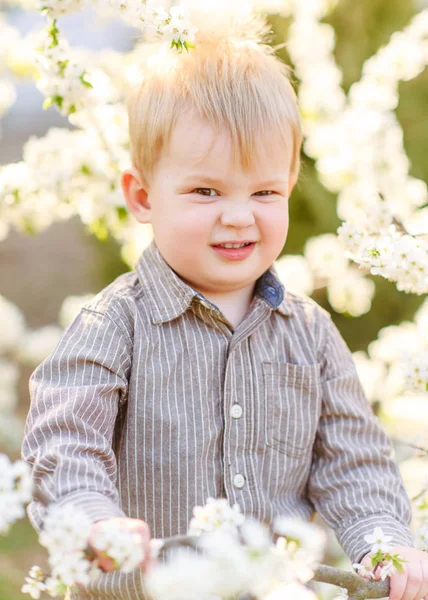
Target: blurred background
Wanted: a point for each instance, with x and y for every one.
(38, 271)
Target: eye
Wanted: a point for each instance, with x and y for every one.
(266, 192)
(202, 190)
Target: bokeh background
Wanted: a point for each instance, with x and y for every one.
(38, 271)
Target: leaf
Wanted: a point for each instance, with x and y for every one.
(122, 213)
(83, 80)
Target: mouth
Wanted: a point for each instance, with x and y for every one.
(234, 252)
(234, 245)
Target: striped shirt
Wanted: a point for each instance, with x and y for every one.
(152, 402)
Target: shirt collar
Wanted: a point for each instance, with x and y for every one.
(170, 296)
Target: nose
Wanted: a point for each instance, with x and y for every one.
(238, 215)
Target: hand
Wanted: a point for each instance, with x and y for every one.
(412, 582)
(133, 525)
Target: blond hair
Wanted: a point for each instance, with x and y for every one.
(233, 81)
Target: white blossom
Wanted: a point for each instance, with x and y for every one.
(308, 535)
(420, 536)
(365, 571)
(12, 325)
(378, 540)
(124, 547)
(216, 514)
(387, 570)
(295, 273)
(36, 345)
(342, 594)
(351, 293)
(15, 491)
(33, 587)
(325, 256)
(372, 374)
(70, 308)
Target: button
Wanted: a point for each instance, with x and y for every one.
(236, 411)
(239, 480)
(271, 289)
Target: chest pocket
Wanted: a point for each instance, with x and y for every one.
(292, 403)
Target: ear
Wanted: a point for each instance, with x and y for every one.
(135, 191)
(291, 184)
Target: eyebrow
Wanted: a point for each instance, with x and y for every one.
(213, 181)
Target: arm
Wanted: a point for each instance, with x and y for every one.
(75, 396)
(354, 484)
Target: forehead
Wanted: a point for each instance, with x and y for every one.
(195, 146)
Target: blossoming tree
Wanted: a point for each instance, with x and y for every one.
(354, 139)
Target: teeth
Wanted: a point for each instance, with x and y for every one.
(234, 245)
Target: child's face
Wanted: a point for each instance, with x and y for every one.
(188, 221)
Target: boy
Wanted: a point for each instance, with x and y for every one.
(197, 374)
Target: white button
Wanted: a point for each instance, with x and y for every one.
(239, 480)
(236, 411)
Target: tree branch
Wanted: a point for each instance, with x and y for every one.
(358, 587)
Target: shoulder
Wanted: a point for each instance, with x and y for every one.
(311, 318)
(305, 307)
(117, 302)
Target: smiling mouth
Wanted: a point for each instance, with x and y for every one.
(231, 245)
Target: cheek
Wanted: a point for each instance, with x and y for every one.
(274, 219)
(195, 220)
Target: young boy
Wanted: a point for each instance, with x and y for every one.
(198, 374)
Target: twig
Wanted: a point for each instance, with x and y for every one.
(410, 444)
(358, 587)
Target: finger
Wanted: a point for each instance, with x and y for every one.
(398, 582)
(367, 560)
(106, 564)
(414, 580)
(424, 587)
(144, 532)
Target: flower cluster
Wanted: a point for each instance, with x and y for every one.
(380, 557)
(325, 264)
(215, 515)
(239, 557)
(15, 491)
(63, 80)
(397, 361)
(65, 535)
(124, 547)
(358, 147)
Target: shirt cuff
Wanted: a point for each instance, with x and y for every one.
(351, 538)
(95, 505)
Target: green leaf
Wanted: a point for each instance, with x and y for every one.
(377, 558)
(83, 80)
(397, 561)
(122, 213)
(188, 45)
(86, 170)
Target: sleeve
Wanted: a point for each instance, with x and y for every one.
(75, 396)
(354, 484)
